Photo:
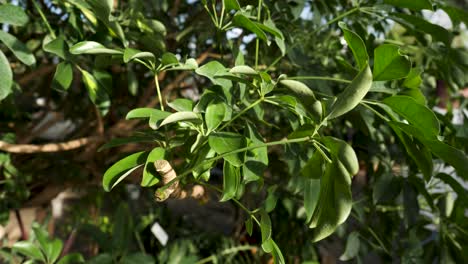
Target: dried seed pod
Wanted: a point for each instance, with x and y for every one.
(164, 168)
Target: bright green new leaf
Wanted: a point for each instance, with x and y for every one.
(182, 117)
(29, 249)
(63, 76)
(353, 94)
(13, 15)
(91, 47)
(150, 175)
(242, 21)
(416, 114)
(416, 5)
(357, 46)
(131, 54)
(389, 64)
(231, 181)
(120, 167)
(18, 48)
(335, 199)
(181, 105)
(6, 77)
(413, 80)
(224, 142)
(352, 247)
(214, 114)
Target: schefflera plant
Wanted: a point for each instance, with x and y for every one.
(222, 126)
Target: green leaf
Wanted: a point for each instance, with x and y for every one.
(181, 105)
(115, 142)
(437, 32)
(63, 76)
(389, 64)
(122, 231)
(231, 181)
(112, 175)
(352, 247)
(71, 259)
(277, 255)
(97, 93)
(455, 185)
(243, 69)
(457, 15)
(6, 77)
(146, 113)
(256, 160)
(211, 69)
(131, 54)
(357, 46)
(298, 88)
(311, 196)
(224, 142)
(416, 114)
(447, 153)
(353, 94)
(56, 46)
(18, 48)
(416, 5)
(242, 21)
(214, 115)
(419, 153)
(150, 175)
(231, 5)
(169, 59)
(306, 96)
(182, 117)
(28, 249)
(335, 199)
(137, 258)
(265, 226)
(413, 80)
(313, 168)
(249, 225)
(91, 47)
(51, 248)
(13, 15)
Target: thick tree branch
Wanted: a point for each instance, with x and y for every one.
(49, 147)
